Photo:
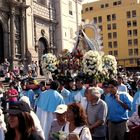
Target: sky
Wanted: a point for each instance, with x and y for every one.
(85, 1)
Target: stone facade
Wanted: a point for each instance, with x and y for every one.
(31, 28)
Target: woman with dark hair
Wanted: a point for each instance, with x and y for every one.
(77, 122)
(21, 124)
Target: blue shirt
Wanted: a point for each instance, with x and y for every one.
(30, 94)
(82, 91)
(116, 112)
(136, 96)
(49, 100)
(66, 95)
(72, 94)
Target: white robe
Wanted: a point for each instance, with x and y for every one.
(46, 118)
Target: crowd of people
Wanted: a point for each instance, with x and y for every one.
(17, 71)
(70, 108)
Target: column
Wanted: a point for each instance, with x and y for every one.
(12, 33)
(23, 34)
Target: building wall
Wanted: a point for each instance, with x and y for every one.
(116, 11)
(34, 21)
(39, 21)
(69, 19)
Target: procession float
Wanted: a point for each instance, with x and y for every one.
(86, 59)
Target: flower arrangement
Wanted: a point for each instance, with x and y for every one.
(48, 63)
(99, 66)
(109, 65)
(92, 63)
(60, 135)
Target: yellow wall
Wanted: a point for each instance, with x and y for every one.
(121, 21)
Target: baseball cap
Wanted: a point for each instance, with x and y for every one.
(62, 108)
(18, 107)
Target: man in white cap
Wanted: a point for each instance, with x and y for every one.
(60, 120)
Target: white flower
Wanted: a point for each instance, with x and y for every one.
(92, 62)
(48, 63)
(109, 65)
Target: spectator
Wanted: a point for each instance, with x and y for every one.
(121, 86)
(59, 122)
(21, 124)
(77, 122)
(6, 65)
(134, 125)
(118, 106)
(136, 97)
(106, 90)
(12, 94)
(97, 113)
(134, 120)
(2, 126)
(34, 116)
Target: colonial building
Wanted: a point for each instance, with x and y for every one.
(30, 28)
(119, 22)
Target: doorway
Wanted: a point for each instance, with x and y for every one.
(42, 49)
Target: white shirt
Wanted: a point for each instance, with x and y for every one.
(85, 134)
(122, 88)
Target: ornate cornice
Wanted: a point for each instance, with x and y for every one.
(45, 19)
(14, 3)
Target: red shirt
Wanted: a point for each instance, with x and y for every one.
(12, 92)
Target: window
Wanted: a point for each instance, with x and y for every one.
(86, 9)
(114, 34)
(128, 23)
(109, 26)
(136, 52)
(115, 3)
(95, 19)
(106, 5)
(135, 32)
(129, 33)
(119, 2)
(128, 14)
(110, 53)
(83, 20)
(70, 8)
(91, 8)
(101, 27)
(130, 51)
(109, 44)
(113, 16)
(115, 44)
(99, 19)
(109, 35)
(43, 2)
(71, 33)
(131, 61)
(114, 26)
(116, 53)
(135, 42)
(102, 6)
(108, 17)
(134, 23)
(134, 13)
(130, 42)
